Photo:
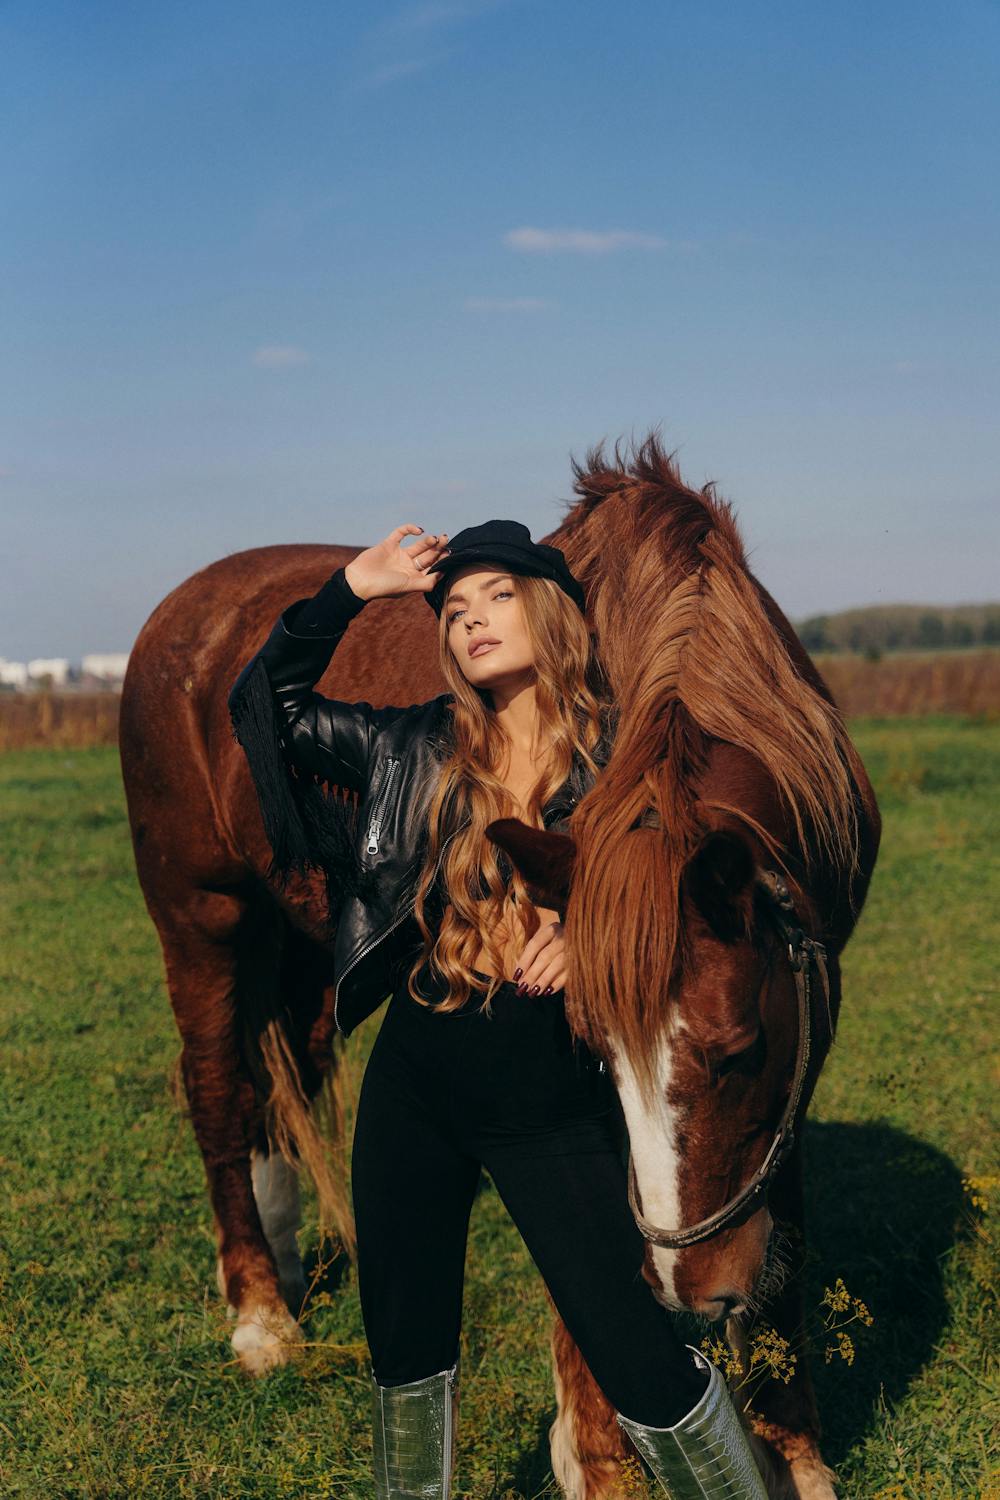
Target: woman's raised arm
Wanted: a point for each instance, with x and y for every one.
(327, 736)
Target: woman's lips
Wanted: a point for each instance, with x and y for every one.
(482, 650)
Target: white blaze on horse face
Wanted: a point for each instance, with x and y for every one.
(652, 1134)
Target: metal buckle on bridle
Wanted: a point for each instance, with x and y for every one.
(803, 953)
(797, 954)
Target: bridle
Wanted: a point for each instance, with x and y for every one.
(803, 952)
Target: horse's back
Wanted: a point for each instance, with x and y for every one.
(191, 803)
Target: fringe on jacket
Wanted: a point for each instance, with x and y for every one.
(308, 825)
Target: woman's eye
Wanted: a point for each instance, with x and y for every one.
(499, 594)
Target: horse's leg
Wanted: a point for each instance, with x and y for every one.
(213, 946)
(586, 1443)
(787, 1433)
(276, 1192)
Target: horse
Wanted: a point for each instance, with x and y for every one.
(733, 834)
(743, 761)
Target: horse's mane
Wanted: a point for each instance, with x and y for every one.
(692, 656)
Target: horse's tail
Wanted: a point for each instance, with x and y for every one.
(310, 1134)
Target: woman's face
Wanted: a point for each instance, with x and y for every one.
(482, 606)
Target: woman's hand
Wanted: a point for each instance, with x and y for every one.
(389, 568)
(542, 966)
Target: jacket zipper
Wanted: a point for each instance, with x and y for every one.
(392, 926)
(375, 826)
(374, 832)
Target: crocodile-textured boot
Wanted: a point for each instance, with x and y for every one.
(413, 1437)
(706, 1455)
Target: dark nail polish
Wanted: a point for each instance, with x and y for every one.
(521, 989)
(547, 990)
(534, 989)
(518, 973)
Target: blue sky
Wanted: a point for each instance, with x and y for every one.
(299, 272)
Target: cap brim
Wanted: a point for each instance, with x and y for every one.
(446, 567)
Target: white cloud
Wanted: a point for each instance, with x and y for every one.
(415, 22)
(279, 356)
(581, 241)
(389, 72)
(507, 304)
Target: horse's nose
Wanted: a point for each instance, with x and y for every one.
(721, 1305)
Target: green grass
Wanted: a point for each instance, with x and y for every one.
(116, 1376)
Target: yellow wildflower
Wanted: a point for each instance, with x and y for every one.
(979, 1190)
(631, 1479)
(844, 1347)
(861, 1312)
(769, 1350)
(720, 1354)
(838, 1300)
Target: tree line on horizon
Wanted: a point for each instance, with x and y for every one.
(878, 628)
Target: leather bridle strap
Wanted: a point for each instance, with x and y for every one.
(803, 952)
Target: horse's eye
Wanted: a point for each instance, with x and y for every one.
(748, 1058)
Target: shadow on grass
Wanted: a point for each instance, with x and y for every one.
(882, 1210)
(532, 1473)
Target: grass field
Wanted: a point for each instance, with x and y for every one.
(115, 1372)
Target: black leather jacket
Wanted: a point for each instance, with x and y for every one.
(390, 757)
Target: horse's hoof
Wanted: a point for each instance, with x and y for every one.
(265, 1338)
(812, 1478)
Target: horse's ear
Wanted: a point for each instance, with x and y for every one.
(719, 880)
(544, 858)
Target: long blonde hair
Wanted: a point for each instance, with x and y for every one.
(570, 693)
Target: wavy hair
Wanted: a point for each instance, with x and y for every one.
(716, 662)
(486, 893)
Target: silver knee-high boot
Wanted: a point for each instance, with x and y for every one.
(706, 1455)
(413, 1437)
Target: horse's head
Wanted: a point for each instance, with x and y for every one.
(730, 761)
(704, 1059)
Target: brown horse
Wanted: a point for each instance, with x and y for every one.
(727, 730)
(733, 835)
(249, 981)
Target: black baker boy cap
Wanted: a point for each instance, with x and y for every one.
(507, 542)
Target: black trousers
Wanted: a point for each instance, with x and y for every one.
(448, 1093)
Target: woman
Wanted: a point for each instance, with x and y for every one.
(473, 1069)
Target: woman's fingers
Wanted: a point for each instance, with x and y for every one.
(400, 532)
(398, 535)
(547, 933)
(427, 551)
(433, 550)
(543, 955)
(553, 974)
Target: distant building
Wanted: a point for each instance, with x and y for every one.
(13, 673)
(107, 666)
(100, 671)
(55, 668)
